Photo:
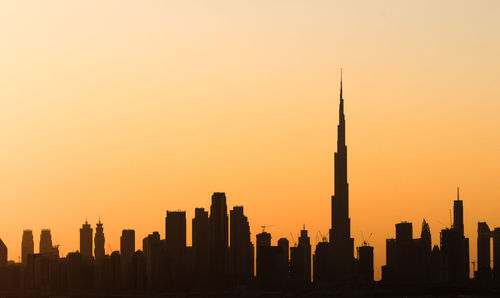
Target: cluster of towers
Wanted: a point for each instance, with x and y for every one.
(486, 272)
(415, 260)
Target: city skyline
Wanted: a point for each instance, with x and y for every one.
(126, 110)
(342, 250)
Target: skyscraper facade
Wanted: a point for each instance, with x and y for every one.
(200, 242)
(175, 235)
(455, 247)
(218, 237)
(342, 244)
(27, 245)
(99, 241)
(127, 249)
(86, 240)
(241, 247)
(46, 247)
(300, 260)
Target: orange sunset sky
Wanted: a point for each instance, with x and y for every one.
(126, 109)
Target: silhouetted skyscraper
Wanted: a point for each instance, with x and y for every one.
(300, 261)
(365, 263)
(27, 245)
(458, 215)
(86, 240)
(46, 247)
(242, 261)
(127, 250)
(99, 241)
(155, 261)
(200, 243)
(455, 247)
(340, 232)
(272, 264)
(261, 240)
(175, 230)
(3, 254)
(218, 238)
(483, 251)
(175, 227)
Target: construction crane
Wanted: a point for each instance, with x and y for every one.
(365, 241)
(293, 239)
(110, 250)
(265, 226)
(323, 238)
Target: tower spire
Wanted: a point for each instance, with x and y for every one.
(341, 83)
(458, 193)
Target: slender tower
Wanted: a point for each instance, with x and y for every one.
(340, 233)
(86, 240)
(99, 241)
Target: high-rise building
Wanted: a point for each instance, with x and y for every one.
(175, 234)
(86, 240)
(27, 246)
(155, 264)
(46, 247)
(365, 263)
(200, 243)
(455, 247)
(300, 261)
(483, 251)
(272, 263)
(261, 240)
(409, 259)
(218, 237)
(175, 230)
(241, 247)
(127, 250)
(99, 241)
(340, 233)
(338, 262)
(3, 254)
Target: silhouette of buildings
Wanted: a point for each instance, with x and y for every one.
(46, 247)
(218, 239)
(3, 254)
(86, 240)
(99, 241)
(365, 259)
(127, 250)
(484, 234)
(272, 262)
(455, 247)
(241, 247)
(222, 255)
(27, 245)
(408, 259)
(300, 260)
(484, 271)
(175, 235)
(335, 261)
(200, 242)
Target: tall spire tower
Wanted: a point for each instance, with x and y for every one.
(340, 232)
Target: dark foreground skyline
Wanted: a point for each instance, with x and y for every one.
(224, 256)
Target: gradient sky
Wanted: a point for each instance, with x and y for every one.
(126, 109)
